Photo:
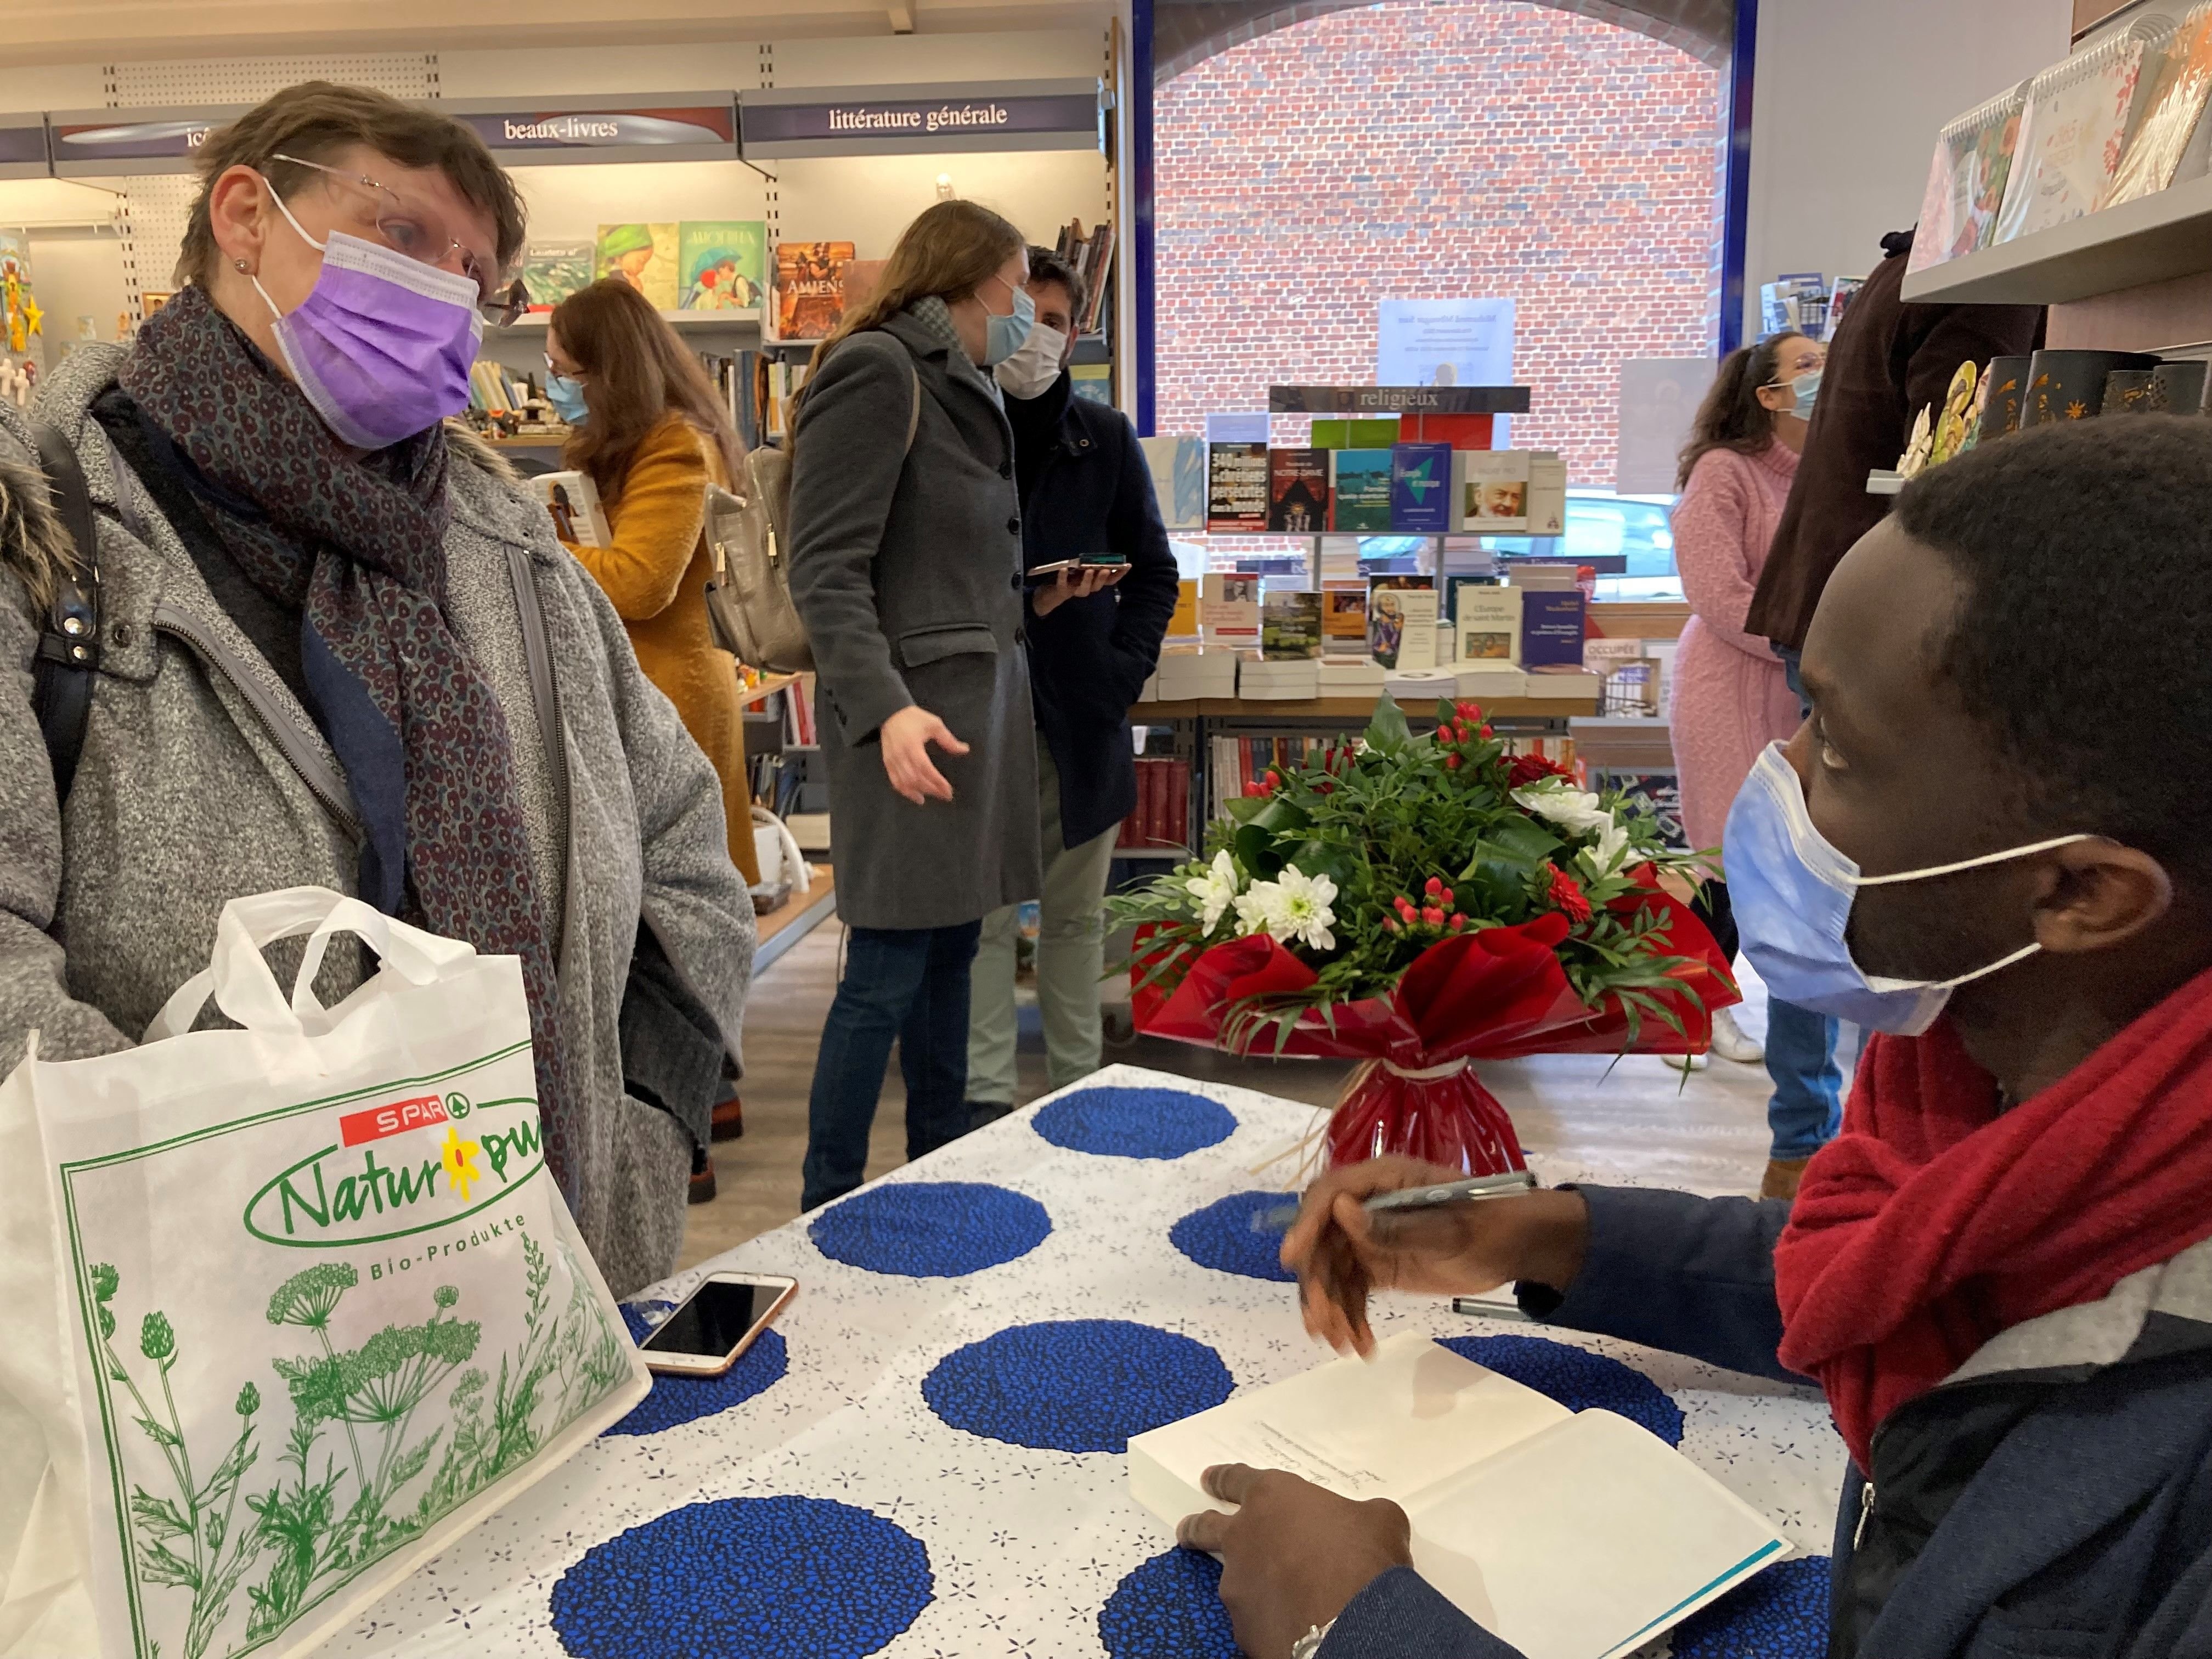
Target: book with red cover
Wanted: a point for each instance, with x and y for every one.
(1297, 491)
(1460, 431)
(1178, 825)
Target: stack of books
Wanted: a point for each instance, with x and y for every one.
(1188, 673)
(1161, 819)
(1287, 680)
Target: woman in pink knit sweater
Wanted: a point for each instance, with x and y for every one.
(1731, 697)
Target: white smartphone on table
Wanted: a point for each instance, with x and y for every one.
(710, 1330)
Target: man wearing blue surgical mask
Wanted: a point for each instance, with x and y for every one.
(1985, 845)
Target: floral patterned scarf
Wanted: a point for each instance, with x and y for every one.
(357, 545)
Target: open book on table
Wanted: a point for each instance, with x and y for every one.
(1570, 1535)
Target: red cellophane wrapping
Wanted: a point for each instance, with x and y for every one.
(1497, 994)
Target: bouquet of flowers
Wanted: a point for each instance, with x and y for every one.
(1420, 903)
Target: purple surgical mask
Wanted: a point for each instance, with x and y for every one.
(382, 345)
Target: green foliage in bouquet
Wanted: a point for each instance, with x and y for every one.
(1359, 861)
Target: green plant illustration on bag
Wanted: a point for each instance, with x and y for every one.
(191, 1541)
(343, 1496)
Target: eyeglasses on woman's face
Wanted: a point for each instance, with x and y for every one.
(406, 224)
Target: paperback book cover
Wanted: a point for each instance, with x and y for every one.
(1355, 434)
(1093, 383)
(1290, 624)
(1343, 616)
(1359, 489)
(1488, 623)
(2170, 116)
(1178, 468)
(551, 271)
(1236, 488)
(1420, 489)
(1459, 431)
(725, 263)
(1552, 628)
(1183, 625)
(810, 288)
(644, 256)
(1401, 621)
(1228, 608)
(1297, 491)
(1493, 486)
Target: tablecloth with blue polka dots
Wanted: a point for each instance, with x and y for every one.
(1022, 1542)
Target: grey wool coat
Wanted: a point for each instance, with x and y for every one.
(906, 567)
(202, 780)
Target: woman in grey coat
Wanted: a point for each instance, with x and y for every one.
(337, 645)
(906, 566)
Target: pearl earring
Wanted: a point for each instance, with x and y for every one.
(241, 265)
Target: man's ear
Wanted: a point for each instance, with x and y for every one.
(2097, 893)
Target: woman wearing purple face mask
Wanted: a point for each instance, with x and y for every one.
(337, 644)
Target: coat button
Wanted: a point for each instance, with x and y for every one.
(1084, 443)
(1005, 469)
(1013, 526)
(121, 633)
(1017, 583)
(1021, 635)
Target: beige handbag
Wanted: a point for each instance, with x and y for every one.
(749, 599)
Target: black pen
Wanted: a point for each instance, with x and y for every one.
(1512, 1184)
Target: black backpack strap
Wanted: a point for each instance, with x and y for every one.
(69, 644)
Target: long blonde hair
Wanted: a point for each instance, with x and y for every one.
(951, 250)
(640, 372)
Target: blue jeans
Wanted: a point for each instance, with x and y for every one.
(1805, 1112)
(908, 983)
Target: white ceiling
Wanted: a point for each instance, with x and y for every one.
(85, 31)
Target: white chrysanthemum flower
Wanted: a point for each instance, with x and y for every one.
(1305, 911)
(1215, 892)
(1610, 853)
(1576, 810)
(1255, 908)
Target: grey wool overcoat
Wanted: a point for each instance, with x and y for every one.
(906, 567)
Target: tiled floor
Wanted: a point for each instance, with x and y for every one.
(1707, 1131)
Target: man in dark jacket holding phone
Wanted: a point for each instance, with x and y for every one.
(1094, 633)
(2001, 1272)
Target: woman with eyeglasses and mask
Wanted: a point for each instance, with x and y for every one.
(1731, 697)
(906, 566)
(337, 645)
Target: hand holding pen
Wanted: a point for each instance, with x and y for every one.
(1399, 1225)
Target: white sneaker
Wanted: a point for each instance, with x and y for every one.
(1730, 1043)
(1688, 1063)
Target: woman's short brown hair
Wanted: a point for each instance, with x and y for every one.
(317, 119)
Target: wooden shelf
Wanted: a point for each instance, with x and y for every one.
(550, 441)
(743, 318)
(2151, 240)
(799, 915)
(768, 687)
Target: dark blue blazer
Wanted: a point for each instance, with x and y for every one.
(1087, 490)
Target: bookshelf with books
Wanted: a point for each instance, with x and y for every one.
(2104, 205)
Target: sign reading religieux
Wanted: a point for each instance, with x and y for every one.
(1398, 399)
(1001, 115)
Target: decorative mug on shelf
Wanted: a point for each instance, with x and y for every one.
(2069, 385)
(2003, 411)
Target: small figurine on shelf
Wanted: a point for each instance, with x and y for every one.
(19, 312)
(1976, 412)
(15, 385)
(1915, 460)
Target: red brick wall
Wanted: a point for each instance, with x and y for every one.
(1437, 148)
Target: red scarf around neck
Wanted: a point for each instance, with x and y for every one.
(1933, 1221)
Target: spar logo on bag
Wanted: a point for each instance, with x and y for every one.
(390, 1173)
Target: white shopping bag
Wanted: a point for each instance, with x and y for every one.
(286, 1309)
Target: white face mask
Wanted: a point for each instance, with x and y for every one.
(1034, 365)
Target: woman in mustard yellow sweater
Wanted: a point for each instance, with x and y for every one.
(652, 436)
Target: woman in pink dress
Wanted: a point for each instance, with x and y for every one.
(1731, 697)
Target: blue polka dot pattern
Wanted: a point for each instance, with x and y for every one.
(1168, 1608)
(1221, 1237)
(745, 1578)
(1577, 1378)
(1781, 1614)
(1077, 1385)
(930, 1229)
(676, 1399)
(642, 1316)
(1134, 1122)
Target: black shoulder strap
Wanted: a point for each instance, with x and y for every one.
(69, 645)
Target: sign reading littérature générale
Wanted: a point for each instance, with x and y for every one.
(865, 121)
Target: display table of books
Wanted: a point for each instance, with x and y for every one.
(930, 1452)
